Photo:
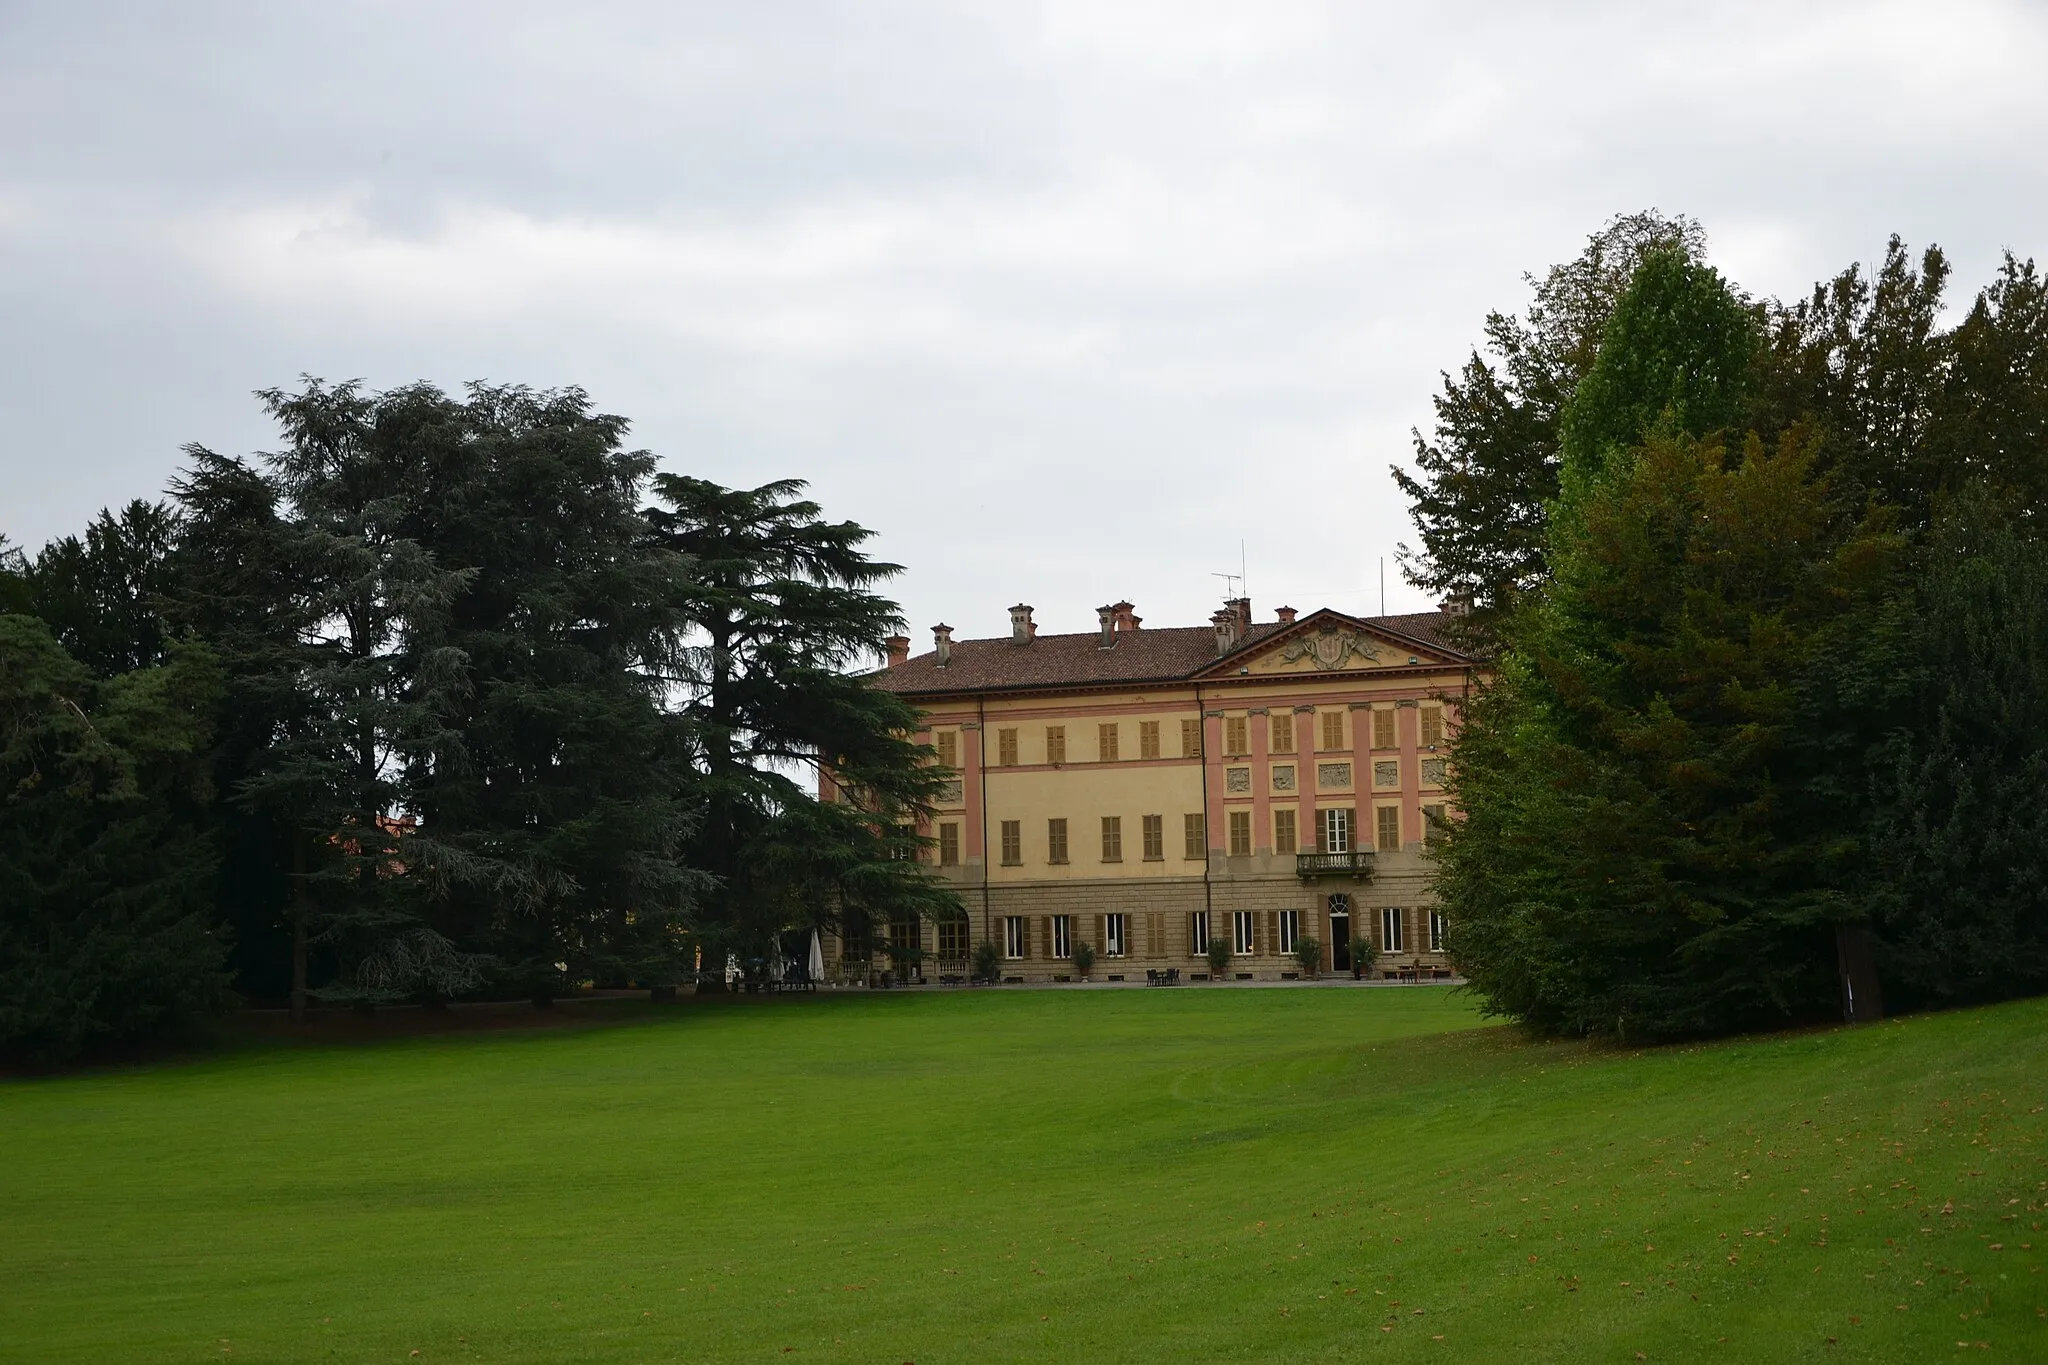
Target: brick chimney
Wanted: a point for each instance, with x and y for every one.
(1225, 623)
(899, 649)
(1457, 604)
(1241, 612)
(1022, 628)
(1285, 614)
(1125, 620)
(942, 644)
(1106, 617)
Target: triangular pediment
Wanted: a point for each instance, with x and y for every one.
(1328, 642)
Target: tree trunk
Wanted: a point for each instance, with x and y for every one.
(1856, 972)
(299, 968)
(299, 929)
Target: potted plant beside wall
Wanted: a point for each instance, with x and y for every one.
(1219, 958)
(1309, 953)
(1363, 955)
(1084, 958)
(988, 962)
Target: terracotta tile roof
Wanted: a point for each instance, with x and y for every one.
(1140, 656)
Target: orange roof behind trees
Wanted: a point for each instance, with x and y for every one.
(1171, 654)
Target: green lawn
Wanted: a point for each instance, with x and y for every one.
(1198, 1174)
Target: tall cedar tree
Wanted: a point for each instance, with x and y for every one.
(555, 797)
(778, 611)
(1488, 470)
(106, 924)
(234, 583)
(348, 479)
(1651, 844)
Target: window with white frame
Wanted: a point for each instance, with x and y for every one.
(1436, 932)
(1243, 932)
(1062, 937)
(1116, 935)
(1390, 929)
(1016, 937)
(1290, 931)
(1333, 829)
(1198, 933)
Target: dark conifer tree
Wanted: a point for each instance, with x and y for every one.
(107, 932)
(778, 612)
(554, 796)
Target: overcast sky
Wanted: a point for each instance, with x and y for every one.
(1064, 300)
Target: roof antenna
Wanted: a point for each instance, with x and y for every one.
(1230, 582)
(1383, 585)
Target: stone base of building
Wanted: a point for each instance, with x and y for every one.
(1161, 922)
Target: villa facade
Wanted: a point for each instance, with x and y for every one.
(1146, 791)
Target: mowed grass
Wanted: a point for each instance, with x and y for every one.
(1194, 1174)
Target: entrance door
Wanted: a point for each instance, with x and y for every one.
(1340, 932)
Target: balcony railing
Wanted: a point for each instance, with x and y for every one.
(1357, 863)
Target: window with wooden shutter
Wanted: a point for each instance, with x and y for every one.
(1056, 841)
(1016, 937)
(1240, 834)
(1006, 748)
(1333, 830)
(1244, 938)
(1105, 741)
(1390, 828)
(1198, 933)
(1116, 935)
(949, 845)
(1148, 739)
(1289, 923)
(1283, 830)
(1013, 842)
(1155, 934)
(1333, 729)
(1155, 838)
(1434, 825)
(1055, 743)
(1112, 838)
(1432, 725)
(1195, 837)
(1059, 937)
(1393, 939)
(948, 744)
(1383, 730)
(1237, 735)
(1280, 732)
(1273, 932)
(1191, 738)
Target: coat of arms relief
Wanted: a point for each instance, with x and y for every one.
(1331, 648)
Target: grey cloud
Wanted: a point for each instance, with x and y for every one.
(1064, 300)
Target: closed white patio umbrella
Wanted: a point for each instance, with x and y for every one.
(817, 962)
